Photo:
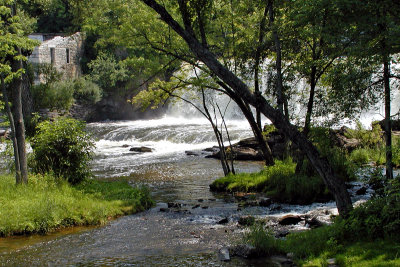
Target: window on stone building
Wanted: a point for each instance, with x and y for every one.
(67, 52)
(52, 55)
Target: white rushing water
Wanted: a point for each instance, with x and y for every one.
(168, 137)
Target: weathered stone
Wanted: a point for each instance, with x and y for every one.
(211, 149)
(265, 202)
(331, 262)
(313, 222)
(174, 205)
(192, 153)
(62, 52)
(223, 221)
(289, 220)
(164, 209)
(340, 139)
(141, 149)
(223, 254)
(361, 191)
(4, 133)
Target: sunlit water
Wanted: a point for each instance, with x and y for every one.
(190, 237)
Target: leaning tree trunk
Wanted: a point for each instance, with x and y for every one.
(10, 116)
(16, 91)
(334, 184)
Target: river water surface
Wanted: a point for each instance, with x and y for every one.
(190, 236)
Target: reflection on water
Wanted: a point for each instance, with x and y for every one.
(189, 236)
(152, 238)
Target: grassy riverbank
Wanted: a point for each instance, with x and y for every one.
(278, 182)
(47, 204)
(322, 246)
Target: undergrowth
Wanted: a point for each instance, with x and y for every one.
(278, 182)
(368, 236)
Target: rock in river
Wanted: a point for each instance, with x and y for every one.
(141, 149)
(290, 219)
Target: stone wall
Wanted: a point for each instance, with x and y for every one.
(63, 53)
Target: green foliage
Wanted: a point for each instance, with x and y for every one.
(278, 182)
(108, 73)
(265, 243)
(64, 148)
(14, 28)
(311, 243)
(87, 91)
(54, 96)
(360, 156)
(52, 93)
(57, 204)
(367, 138)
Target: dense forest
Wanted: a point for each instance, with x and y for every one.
(305, 67)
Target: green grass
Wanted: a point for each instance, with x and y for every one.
(278, 182)
(378, 253)
(47, 204)
(315, 247)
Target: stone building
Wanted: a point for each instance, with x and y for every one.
(63, 52)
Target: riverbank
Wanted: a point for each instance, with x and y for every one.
(57, 204)
(325, 246)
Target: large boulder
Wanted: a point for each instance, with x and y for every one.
(339, 138)
(290, 220)
(4, 133)
(239, 153)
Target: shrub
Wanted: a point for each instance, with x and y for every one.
(63, 148)
(87, 91)
(109, 73)
(359, 156)
(264, 242)
(56, 95)
(367, 138)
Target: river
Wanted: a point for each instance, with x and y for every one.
(190, 236)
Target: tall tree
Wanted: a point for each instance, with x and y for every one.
(12, 44)
(378, 26)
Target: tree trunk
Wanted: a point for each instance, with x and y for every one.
(16, 90)
(18, 178)
(334, 184)
(278, 61)
(387, 123)
(265, 149)
(307, 123)
(257, 63)
(281, 98)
